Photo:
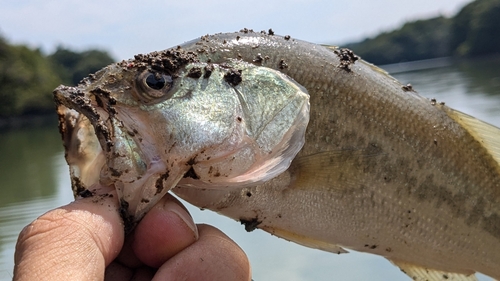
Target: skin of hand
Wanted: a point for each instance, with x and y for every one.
(85, 240)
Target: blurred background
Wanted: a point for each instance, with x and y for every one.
(447, 49)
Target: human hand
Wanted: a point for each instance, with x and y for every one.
(85, 241)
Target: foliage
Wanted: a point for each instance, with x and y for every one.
(26, 81)
(418, 40)
(472, 32)
(27, 77)
(476, 28)
(73, 67)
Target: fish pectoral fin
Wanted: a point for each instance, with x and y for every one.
(333, 170)
(419, 273)
(305, 241)
(488, 135)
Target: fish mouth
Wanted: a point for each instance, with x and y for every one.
(101, 150)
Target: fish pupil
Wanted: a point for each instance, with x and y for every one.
(156, 82)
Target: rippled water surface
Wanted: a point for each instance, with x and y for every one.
(34, 179)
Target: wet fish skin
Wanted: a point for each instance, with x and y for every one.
(383, 170)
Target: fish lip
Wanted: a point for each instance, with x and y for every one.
(88, 104)
(78, 99)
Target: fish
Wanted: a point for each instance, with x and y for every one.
(307, 142)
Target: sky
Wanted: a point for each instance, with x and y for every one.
(125, 28)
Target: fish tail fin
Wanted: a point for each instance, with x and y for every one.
(419, 273)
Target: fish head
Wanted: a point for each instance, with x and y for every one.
(164, 119)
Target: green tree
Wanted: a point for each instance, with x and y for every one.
(26, 81)
(27, 77)
(476, 28)
(421, 39)
(72, 67)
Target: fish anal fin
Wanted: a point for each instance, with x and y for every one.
(419, 273)
(305, 241)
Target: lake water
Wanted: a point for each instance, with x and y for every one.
(34, 179)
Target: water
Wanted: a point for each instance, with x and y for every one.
(34, 179)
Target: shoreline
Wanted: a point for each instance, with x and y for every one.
(27, 121)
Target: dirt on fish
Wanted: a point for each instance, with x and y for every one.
(408, 88)
(347, 57)
(195, 72)
(233, 76)
(250, 225)
(283, 64)
(168, 61)
(209, 68)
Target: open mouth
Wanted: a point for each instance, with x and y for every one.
(102, 150)
(86, 136)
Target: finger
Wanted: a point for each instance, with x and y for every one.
(74, 242)
(165, 231)
(213, 257)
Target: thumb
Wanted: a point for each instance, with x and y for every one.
(73, 242)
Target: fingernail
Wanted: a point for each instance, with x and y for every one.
(175, 208)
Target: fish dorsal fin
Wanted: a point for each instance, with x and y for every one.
(488, 135)
(330, 47)
(419, 273)
(306, 241)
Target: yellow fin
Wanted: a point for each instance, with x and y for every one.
(488, 135)
(418, 273)
(330, 47)
(305, 241)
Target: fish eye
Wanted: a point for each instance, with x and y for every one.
(156, 81)
(153, 86)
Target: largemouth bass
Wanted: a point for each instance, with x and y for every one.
(306, 142)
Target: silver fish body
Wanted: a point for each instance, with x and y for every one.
(382, 169)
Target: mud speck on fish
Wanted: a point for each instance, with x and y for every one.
(159, 182)
(85, 193)
(408, 88)
(347, 57)
(250, 225)
(191, 174)
(258, 58)
(233, 76)
(194, 72)
(128, 220)
(208, 71)
(283, 64)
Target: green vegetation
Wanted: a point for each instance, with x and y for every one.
(472, 32)
(73, 66)
(476, 28)
(27, 77)
(26, 81)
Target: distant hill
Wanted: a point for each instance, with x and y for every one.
(474, 31)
